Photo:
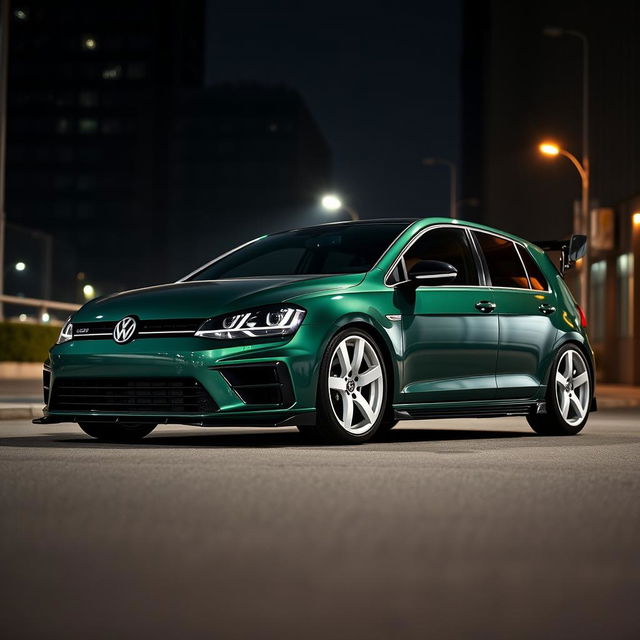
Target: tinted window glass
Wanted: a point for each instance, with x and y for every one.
(505, 266)
(349, 248)
(537, 280)
(448, 245)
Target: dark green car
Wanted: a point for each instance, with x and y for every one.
(342, 330)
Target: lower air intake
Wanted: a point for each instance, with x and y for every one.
(131, 395)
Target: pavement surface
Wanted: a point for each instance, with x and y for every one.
(447, 529)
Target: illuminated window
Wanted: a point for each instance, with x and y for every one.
(598, 299)
(624, 286)
(87, 125)
(112, 73)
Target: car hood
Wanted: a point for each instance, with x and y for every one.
(207, 298)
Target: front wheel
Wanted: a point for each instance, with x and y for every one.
(117, 431)
(352, 390)
(569, 393)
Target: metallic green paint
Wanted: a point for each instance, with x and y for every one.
(442, 351)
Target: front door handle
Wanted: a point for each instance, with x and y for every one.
(547, 309)
(485, 306)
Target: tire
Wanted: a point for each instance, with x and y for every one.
(117, 431)
(348, 411)
(569, 393)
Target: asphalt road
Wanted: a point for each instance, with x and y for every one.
(456, 529)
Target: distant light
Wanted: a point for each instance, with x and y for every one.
(45, 317)
(20, 266)
(23, 317)
(112, 73)
(549, 149)
(331, 202)
(20, 14)
(88, 291)
(89, 43)
(553, 32)
(636, 218)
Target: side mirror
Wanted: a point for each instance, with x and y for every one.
(432, 273)
(577, 247)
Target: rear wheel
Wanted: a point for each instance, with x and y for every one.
(569, 393)
(117, 431)
(352, 390)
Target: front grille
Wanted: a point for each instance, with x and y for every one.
(131, 395)
(177, 327)
(260, 384)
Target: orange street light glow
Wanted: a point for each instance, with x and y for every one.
(636, 218)
(549, 149)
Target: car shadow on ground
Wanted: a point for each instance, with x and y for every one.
(281, 438)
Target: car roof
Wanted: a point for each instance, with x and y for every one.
(419, 223)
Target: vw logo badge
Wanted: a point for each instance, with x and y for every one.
(124, 330)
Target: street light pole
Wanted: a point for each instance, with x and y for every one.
(4, 53)
(453, 182)
(557, 32)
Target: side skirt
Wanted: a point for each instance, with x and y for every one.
(483, 411)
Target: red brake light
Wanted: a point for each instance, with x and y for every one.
(583, 317)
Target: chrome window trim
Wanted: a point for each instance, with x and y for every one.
(447, 225)
(524, 248)
(517, 243)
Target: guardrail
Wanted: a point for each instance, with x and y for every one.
(43, 306)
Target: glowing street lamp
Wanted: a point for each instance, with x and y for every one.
(88, 292)
(331, 202)
(20, 266)
(551, 149)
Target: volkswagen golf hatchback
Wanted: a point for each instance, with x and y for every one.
(341, 330)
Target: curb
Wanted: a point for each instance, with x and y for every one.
(20, 411)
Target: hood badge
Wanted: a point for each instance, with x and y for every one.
(125, 330)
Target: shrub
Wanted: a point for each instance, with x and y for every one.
(22, 342)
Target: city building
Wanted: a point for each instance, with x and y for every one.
(90, 95)
(521, 87)
(245, 160)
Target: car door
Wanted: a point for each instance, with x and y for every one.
(450, 335)
(525, 306)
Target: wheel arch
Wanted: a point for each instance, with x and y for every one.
(579, 342)
(383, 343)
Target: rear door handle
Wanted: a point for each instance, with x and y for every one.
(485, 306)
(547, 309)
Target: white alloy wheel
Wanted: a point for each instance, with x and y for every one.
(356, 384)
(573, 392)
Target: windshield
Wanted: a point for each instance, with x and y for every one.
(350, 248)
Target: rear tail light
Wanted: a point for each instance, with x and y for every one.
(583, 317)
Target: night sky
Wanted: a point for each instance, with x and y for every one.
(381, 81)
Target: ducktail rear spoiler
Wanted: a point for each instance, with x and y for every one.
(570, 250)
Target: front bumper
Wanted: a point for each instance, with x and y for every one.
(211, 364)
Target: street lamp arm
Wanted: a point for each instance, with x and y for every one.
(576, 163)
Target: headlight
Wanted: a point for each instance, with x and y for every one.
(276, 321)
(66, 333)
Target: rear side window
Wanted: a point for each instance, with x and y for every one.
(537, 280)
(447, 245)
(503, 261)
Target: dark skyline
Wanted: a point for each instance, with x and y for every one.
(382, 83)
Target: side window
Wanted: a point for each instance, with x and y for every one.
(505, 266)
(537, 280)
(448, 245)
